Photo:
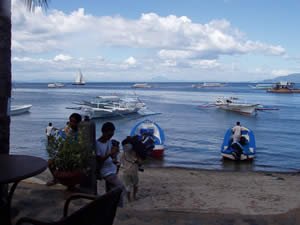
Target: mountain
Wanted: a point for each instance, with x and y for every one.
(295, 77)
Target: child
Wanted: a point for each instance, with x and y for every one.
(129, 170)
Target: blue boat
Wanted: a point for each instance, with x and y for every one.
(148, 127)
(248, 149)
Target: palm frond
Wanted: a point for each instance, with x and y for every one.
(31, 4)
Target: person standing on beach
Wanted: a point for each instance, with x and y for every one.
(105, 152)
(49, 131)
(73, 124)
(130, 164)
(237, 132)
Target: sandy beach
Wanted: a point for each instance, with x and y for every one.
(182, 196)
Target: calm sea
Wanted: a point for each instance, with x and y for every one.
(193, 135)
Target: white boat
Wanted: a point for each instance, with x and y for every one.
(110, 106)
(79, 79)
(111, 110)
(55, 85)
(232, 105)
(262, 86)
(141, 85)
(204, 85)
(19, 109)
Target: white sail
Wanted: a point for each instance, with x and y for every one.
(79, 79)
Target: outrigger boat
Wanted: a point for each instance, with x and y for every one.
(141, 85)
(261, 86)
(109, 106)
(248, 149)
(150, 128)
(232, 105)
(208, 85)
(284, 87)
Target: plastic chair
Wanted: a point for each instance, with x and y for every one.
(101, 211)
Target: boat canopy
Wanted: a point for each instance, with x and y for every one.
(149, 127)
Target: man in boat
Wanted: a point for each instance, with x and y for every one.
(237, 132)
(237, 148)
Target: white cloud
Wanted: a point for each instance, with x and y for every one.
(56, 30)
(131, 61)
(169, 45)
(62, 57)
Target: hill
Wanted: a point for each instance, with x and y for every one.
(295, 77)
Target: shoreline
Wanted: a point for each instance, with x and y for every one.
(182, 192)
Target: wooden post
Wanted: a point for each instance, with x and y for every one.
(89, 182)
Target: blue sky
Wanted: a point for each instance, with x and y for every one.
(136, 40)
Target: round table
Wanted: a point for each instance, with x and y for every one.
(13, 169)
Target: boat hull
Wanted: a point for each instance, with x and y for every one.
(103, 113)
(283, 90)
(78, 83)
(16, 110)
(158, 151)
(240, 108)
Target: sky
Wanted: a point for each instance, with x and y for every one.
(157, 40)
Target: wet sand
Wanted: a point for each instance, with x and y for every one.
(182, 196)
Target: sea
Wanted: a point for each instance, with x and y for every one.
(193, 134)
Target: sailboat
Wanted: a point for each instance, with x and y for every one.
(79, 79)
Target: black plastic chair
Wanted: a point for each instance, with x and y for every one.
(101, 211)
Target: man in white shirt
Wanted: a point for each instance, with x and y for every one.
(49, 130)
(105, 152)
(237, 132)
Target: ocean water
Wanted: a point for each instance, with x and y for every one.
(193, 135)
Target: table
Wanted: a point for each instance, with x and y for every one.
(13, 169)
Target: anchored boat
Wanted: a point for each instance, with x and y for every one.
(19, 109)
(262, 86)
(141, 85)
(284, 87)
(228, 150)
(150, 128)
(232, 105)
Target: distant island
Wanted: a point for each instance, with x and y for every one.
(295, 77)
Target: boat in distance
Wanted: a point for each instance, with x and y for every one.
(141, 85)
(262, 86)
(228, 149)
(79, 79)
(55, 85)
(208, 85)
(231, 104)
(19, 109)
(284, 87)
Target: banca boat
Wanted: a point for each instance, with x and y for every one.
(150, 128)
(231, 104)
(284, 87)
(110, 106)
(55, 85)
(141, 85)
(208, 85)
(262, 86)
(249, 148)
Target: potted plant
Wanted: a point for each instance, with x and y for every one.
(70, 156)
